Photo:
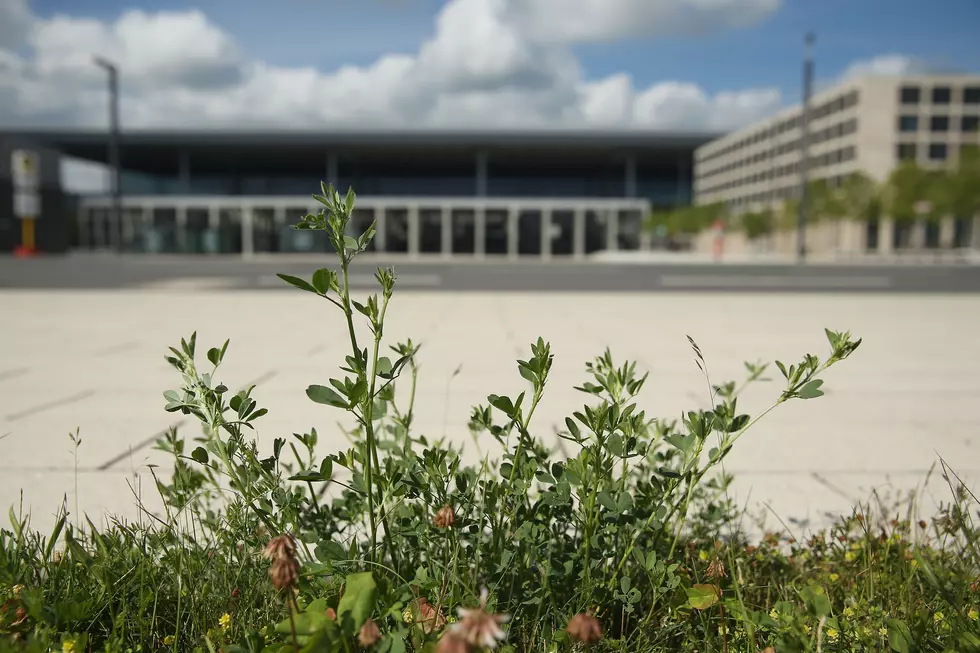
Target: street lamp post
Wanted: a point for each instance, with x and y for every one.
(114, 184)
(805, 144)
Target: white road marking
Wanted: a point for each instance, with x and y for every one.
(770, 281)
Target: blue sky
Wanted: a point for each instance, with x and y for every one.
(331, 33)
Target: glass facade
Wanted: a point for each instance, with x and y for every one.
(664, 183)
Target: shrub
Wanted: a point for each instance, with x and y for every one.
(628, 542)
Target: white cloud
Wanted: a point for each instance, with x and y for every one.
(887, 65)
(15, 23)
(583, 21)
(489, 63)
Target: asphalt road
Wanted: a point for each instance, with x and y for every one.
(232, 273)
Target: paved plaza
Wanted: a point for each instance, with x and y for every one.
(94, 360)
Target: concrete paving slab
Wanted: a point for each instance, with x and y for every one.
(94, 360)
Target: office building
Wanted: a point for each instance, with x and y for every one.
(537, 194)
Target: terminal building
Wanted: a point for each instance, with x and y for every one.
(868, 124)
(534, 194)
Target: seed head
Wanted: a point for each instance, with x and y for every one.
(284, 571)
(480, 628)
(280, 547)
(369, 634)
(445, 517)
(716, 569)
(585, 628)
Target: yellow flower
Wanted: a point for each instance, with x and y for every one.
(883, 631)
(973, 614)
(938, 616)
(850, 556)
(703, 555)
(407, 615)
(914, 563)
(225, 622)
(17, 590)
(774, 614)
(834, 578)
(848, 611)
(832, 634)
(69, 646)
(169, 640)
(807, 629)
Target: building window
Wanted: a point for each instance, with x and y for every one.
(906, 152)
(939, 124)
(850, 99)
(970, 124)
(971, 95)
(908, 123)
(937, 151)
(847, 153)
(910, 95)
(941, 95)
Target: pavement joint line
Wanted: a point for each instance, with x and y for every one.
(266, 376)
(116, 349)
(142, 444)
(33, 410)
(12, 373)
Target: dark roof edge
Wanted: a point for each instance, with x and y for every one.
(352, 136)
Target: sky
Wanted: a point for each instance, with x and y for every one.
(666, 65)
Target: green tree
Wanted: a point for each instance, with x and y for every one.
(756, 224)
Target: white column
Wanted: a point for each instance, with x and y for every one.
(480, 232)
(947, 230)
(546, 232)
(612, 230)
(446, 231)
(84, 227)
(214, 219)
(181, 223)
(380, 229)
(127, 226)
(918, 238)
(513, 235)
(248, 231)
(886, 237)
(413, 231)
(578, 233)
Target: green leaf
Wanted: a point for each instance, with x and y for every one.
(608, 502)
(322, 280)
(811, 390)
(702, 597)
(200, 455)
(326, 468)
(55, 534)
(321, 394)
(309, 476)
(899, 636)
(351, 243)
(214, 355)
(383, 368)
(299, 283)
(357, 603)
(503, 404)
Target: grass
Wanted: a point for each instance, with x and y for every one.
(626, 542)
